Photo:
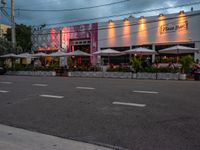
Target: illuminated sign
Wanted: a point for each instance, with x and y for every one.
(174, 27)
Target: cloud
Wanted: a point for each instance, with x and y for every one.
(36, 18)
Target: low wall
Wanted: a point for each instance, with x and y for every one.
(126, 75)
(168, 76)
(120, 75)
(32, 73)
(145, 75)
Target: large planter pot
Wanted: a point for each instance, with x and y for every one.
(182, 76)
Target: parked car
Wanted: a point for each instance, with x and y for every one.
(2, 70)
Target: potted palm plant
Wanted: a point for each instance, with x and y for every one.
(136, 64)
(186, 62)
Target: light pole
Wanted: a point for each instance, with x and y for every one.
(13, 26)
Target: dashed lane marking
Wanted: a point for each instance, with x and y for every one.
(129, 104)
(146, 92)
(41, 85)
(2, 91)
(52, 96)
(86, 88)
(6, 82)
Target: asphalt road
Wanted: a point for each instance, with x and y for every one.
(126, 114)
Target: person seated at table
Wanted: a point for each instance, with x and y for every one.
(171, 65)
(196, 66)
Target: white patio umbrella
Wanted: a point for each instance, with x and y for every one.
(78, 53)
(24, 55)
(178, 49)
(108, 52)
(11, 55)
(58, 54)
(141, 51)
(40, 54)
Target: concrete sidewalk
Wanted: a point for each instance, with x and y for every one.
(19, 139)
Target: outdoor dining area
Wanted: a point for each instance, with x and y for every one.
(173, 59)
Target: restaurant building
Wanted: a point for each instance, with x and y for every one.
(157, 32)
(78, 37)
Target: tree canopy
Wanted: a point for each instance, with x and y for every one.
(23, 37)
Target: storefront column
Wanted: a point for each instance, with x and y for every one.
(153, 56)
(197, 55)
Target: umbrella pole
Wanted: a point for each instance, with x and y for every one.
(129, 58)
(177, 60)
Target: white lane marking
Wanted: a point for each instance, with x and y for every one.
(2, 91)
(146, 92)
(129, 104)
(85, 88)
(6, 82)
(52, 96)
(42, 85)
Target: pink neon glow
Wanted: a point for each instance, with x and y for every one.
(53, 37)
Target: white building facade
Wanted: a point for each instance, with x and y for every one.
(155, 33)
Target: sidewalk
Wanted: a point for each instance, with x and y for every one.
(19, 139)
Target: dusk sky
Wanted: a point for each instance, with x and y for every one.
(123, 7)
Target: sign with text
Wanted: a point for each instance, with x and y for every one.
(174, 27)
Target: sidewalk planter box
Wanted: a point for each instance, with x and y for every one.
(182, 76)
(145, 75)
(134, 75)
(121, 75)
(167, 76)
(98, 74)
(32, 73)
(85, 74)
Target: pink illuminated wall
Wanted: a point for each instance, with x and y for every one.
(53, 37)
(86, 31)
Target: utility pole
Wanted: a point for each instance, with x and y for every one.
(0, 17)
(13, 26)
(2, 4)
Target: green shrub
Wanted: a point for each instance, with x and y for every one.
(136, 64)
(119, 69)
(186, 62)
